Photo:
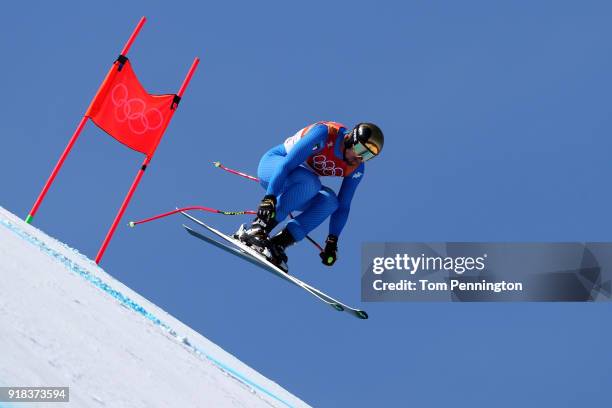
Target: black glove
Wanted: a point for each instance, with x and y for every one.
(330, 253)
(267, 209)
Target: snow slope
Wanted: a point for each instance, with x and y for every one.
(66, 322)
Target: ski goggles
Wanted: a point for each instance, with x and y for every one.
(366, 150)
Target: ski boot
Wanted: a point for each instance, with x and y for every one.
(256, 236)
(277, 247)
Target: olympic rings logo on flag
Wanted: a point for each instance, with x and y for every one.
(134, 111)
(327, 167)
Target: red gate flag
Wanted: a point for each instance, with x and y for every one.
(124, 110)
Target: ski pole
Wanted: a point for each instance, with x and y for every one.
(238, 173)
(252, 178)
(311, 240)
(212, 210)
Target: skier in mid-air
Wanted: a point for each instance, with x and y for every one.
(290, 174)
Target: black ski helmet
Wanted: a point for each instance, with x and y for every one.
(366, 139)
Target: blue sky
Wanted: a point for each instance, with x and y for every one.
(497, 119)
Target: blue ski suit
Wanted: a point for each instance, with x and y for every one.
(291, 171)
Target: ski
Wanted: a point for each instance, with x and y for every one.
(239, 249)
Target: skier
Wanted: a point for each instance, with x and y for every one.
(290, 174)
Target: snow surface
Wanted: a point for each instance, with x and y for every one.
(66, 322)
